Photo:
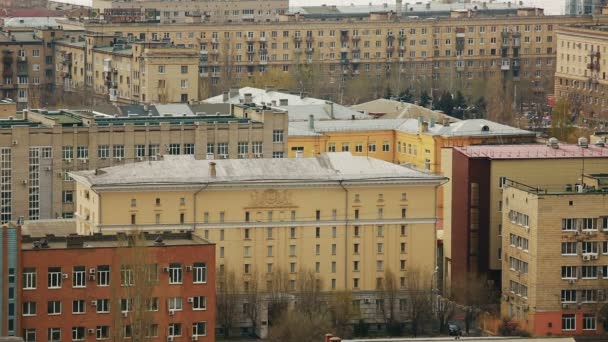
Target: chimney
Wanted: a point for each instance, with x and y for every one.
(311, 122)
(233, 92)
(335, 339)
(225, 97)
(331, 109)
(212, 170)
(432, 123)
(248, 98)
(553, 143)
(398, 8)
(299, 154)
(328, 337)
(582, 142)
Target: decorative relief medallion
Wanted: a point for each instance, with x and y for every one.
(271, 198)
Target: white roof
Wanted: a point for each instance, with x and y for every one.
(473, 127)
(185, 170)
(299, 108)
(32, 22)
(391, 109)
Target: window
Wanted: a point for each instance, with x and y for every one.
(589, 224)
(589, 322)
(568, 322)
(568, 248)
(589, 247)
(199, 329)
(161, 69)
(103, 275)
(29, 335)
(568, 272)
(126, 275)
(242, 149)
(29, 278)
(103, 332)
(82, 152)
(589, 272)
(68, 153)
(103, 151)
(78, 306)
(175, 304)
(175, 329)
(103, 305)
(569, 224)
(118, 151)
(380, 248)
(29, 308)
(359, 148)
(152, 304)
(199, 272)
(379, 266)
(292, 250)
(78, 334)
(151, 330)
(79, 276)
(175, 273)
(174, 149)
(371, 147)
(54, 335)
(331, 147)
(199, 303)
(189, 149)
(385, 146)
(568, 296)
(277, 155)
(54, 307)
(54, 277)
(277, 135)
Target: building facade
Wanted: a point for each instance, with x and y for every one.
(580, 77)
(452, 53)
(89, 288)
(38, 152)
(473, 202)
(555, 256)
(349, 220)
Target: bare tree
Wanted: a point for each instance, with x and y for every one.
(342, 312)
(420, 300)
(309, 294)
(297, 327)
(388, 294)
(134, 295)
(227, 298)
(476, 295)
(278, 295)
(445, 310)
(252, 298)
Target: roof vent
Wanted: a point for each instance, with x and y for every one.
(159, 240)
(600, 144)
(582, 142)
(485, 128)
(553, 143)
(212, 170)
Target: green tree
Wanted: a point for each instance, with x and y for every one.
(425, 99)
(446, 103)
(561, 121)
(406, 96)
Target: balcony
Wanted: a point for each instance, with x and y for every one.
(262, 39)
(390, 49)
(401, 36)
(215, 74)
(297, 39)
(505, 66)
(215, 41)
(297, 50)
(7, 73)
(250, 39)
(263, 51)
(263, 62)
(356, 49)
(215, 52)
(344, 61)
(344, 49)
(250, 51)
(356, 38)
(344, 36)
(390, 37)
(203, 74)
(309, 39)
(7, 59)
(356, 60)
(21, 59)
(22, 72)
(310, 50)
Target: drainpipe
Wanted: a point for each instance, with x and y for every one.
(194, 200)
(345, 232)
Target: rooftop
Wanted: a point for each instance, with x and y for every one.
(533, 151)
(32, 21)
(464, 128)
(391, 109)
(19, 37)
(299, 107)
(467, 339)
(185, 170)
(51, 241)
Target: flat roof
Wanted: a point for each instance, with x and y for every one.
(533, 151)
(74, 241)
(185, 170)
(470, 339)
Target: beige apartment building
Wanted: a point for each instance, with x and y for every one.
(27, 65)
(449, 52)
(38, 151)
(127, 72)
(348, 219)
(555, 264)
(580, 77)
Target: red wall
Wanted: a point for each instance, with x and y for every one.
(542, 320)
(90, 258)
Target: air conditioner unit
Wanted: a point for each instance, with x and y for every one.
(91, 331)
(140, 158)
(91, 271)
(93, 303)
(84, 161)
(65, 276)
(188, 268)
(166, 269)
(586, 257)
(103, 158)
(593, 256)
(68, 161)
(588, 233)
(367, 301)
(91, 277)
(169, 338)
(565, 306)
(125, 314)
(571, 281)
(14, 142)
(171, 312)
(47, 168)
(194, 338)
(118, 158)
(24, 182)
(190, 299)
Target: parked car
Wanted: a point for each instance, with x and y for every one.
(454, 330)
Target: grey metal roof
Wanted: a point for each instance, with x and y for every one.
(34, 22)
(474, 127)
(176, 109)
(391, 109)
(185, 170)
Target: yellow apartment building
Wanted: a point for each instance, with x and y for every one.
(349, 219)
(416, 143)
(555, 264)
(473, 198)
(452, 52)
(580, 77)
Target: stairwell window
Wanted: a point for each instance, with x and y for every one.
(175, 273)
(277, 136)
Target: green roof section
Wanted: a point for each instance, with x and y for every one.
(173, 120)
(64, 118)
(10, 123)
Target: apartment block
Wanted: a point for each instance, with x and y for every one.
(580, 78)
(347, 219)
(28, 65)
(38, 150)
(450, 52)
(88, 288)
(473, 199)
(555, 264)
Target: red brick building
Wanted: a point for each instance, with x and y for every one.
(86, 288)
